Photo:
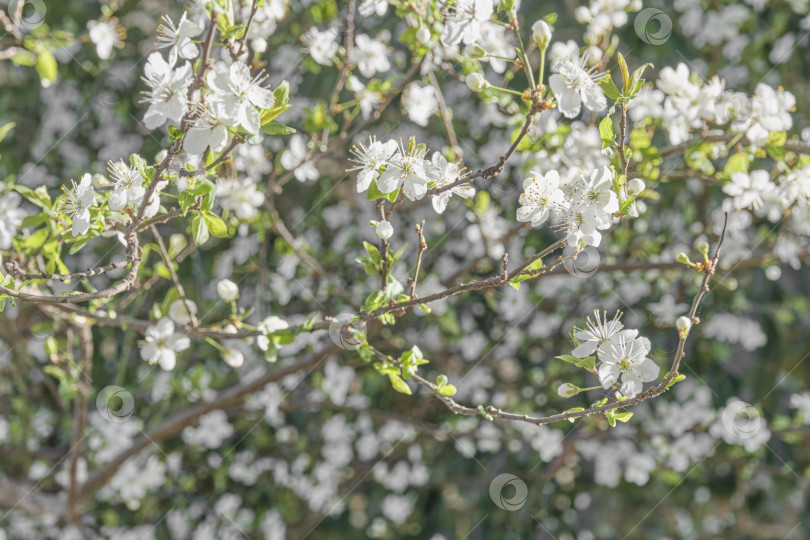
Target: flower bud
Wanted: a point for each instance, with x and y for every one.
(594, 55)
(541, 33)
(567, 390)
(583, 15)
(227, 290)
(233, 357)
(475, 51)
(683, 258)
(476, 82)
(703, 246)
(384, 230)
(635, 186)
(423, 34)
(259, 45)
(683, 324)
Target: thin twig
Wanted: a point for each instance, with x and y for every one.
(422, 248)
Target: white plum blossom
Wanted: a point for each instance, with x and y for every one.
(167, 97)
(128, 187)
(182, 311)
(322, 45)
(602, 15)
(106, 35)
(770, 112)
(269, 325)
(295, 159)
(561, 51)
(592, 203)
(599, 330)
(675, 82)
(370, 160)
(801, 402)
(541, 195)
(444, 173)
(367, 99)
(420, 102)
(495, 41)
(646, 104)
(162, 344)
(77, 202)
(624, 359)
(748, 190)
(11, 217)
(252, 159)
(574, 86)
(463, 24)
(179, 38)
(370, 55)
(211, 432)
(240, 196)
(367, 8)
(208, 130)
(742, 424)
(239, 93)
(406, 170)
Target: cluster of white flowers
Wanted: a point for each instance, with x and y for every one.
(464, 24)
(578, 205)
(232, 101)
(736, 330)
(622, 353)
(211, 432)
(322, 45)
(603, 15)
(684, 103)
(168, 85)
(392, 167)
(128, 190)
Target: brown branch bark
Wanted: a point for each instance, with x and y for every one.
(176, 423)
